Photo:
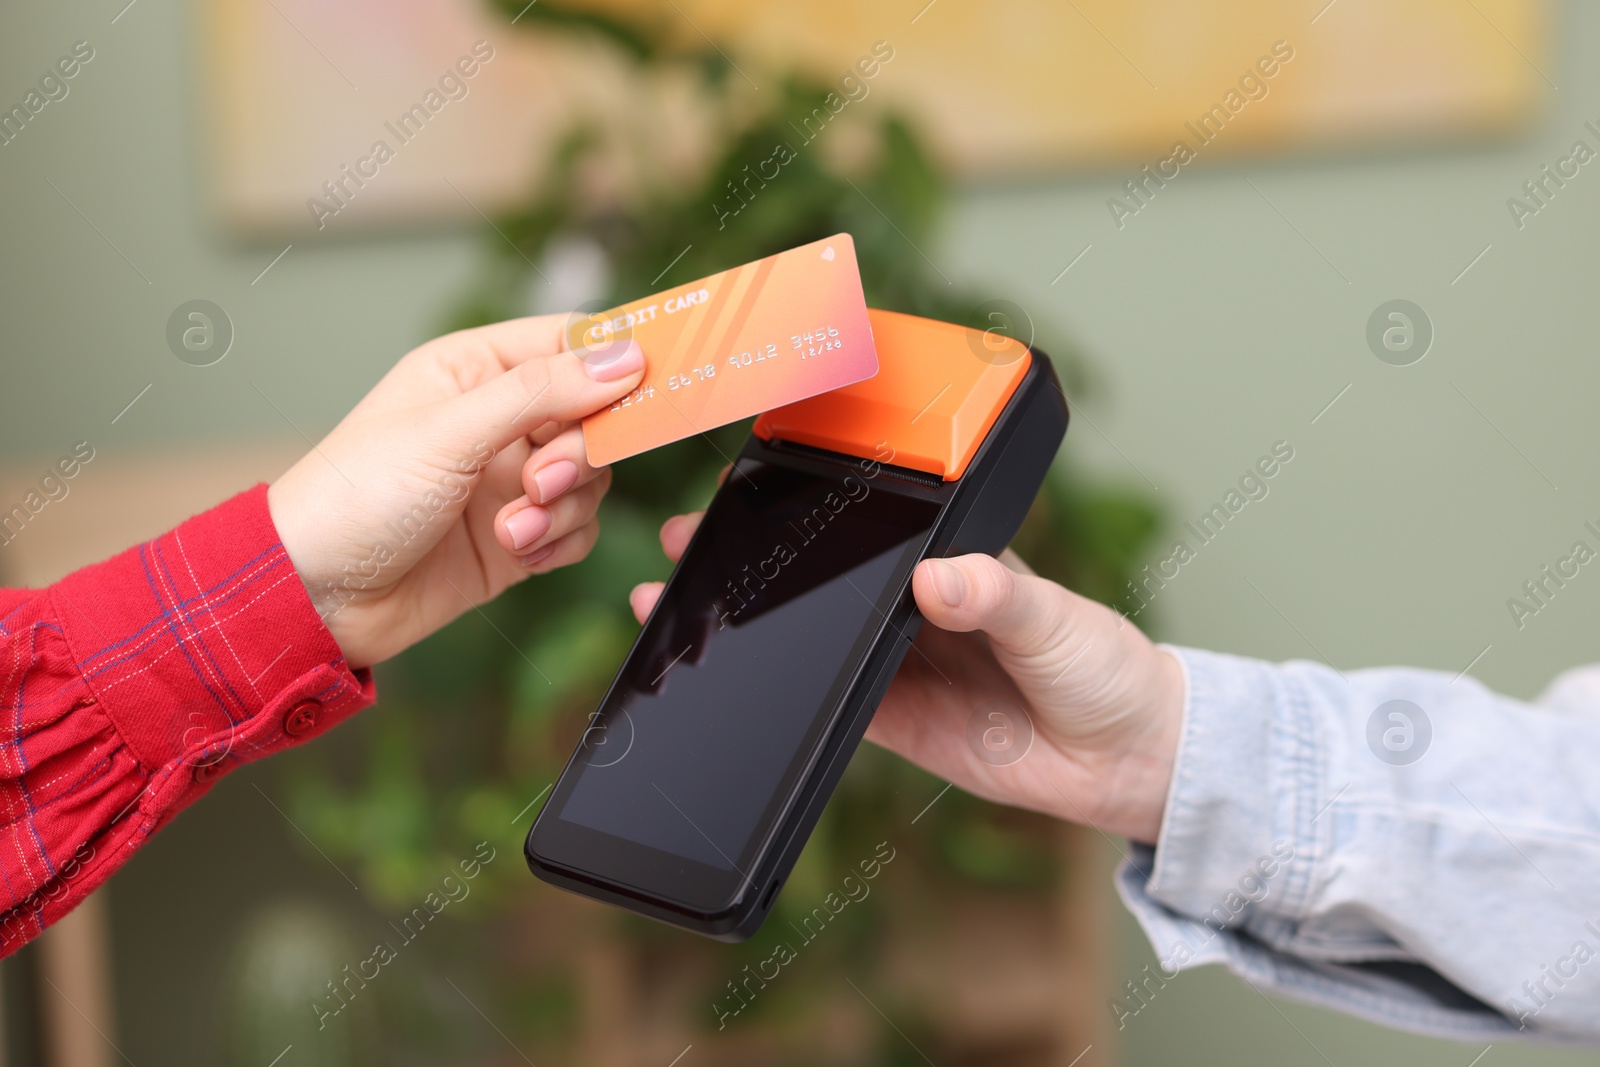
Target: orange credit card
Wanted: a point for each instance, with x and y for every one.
(732, 345)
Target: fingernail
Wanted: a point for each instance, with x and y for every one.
(555, 479)
(527, 526)
(948, 583)
(535, 558)
(608, 362)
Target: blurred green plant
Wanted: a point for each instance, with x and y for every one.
(478, 720)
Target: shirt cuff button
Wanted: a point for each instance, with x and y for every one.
(302, 718)
(205, 771)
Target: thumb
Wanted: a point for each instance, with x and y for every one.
(561, 387)
(1023, 615)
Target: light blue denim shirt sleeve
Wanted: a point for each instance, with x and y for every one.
(1457, 894)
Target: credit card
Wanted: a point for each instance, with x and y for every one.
(732, 345)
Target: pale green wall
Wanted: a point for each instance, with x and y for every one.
(1395, 536)
(83, 332)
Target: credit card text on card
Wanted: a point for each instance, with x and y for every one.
(732, 345)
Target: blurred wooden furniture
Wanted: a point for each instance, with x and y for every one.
(997, 978)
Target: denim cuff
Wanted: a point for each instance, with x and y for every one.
(1238, 839)
(1246, 829)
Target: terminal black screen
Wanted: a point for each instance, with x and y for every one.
(735, 680)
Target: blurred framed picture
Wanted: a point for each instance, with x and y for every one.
(342, 115)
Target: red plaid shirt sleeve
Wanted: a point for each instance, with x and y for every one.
(129, 687)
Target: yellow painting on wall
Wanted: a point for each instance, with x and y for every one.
(429, 110)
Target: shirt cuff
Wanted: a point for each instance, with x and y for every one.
(204, 651)
(1241, 806)
(1236, 863)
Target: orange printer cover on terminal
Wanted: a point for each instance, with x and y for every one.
(938, 390)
